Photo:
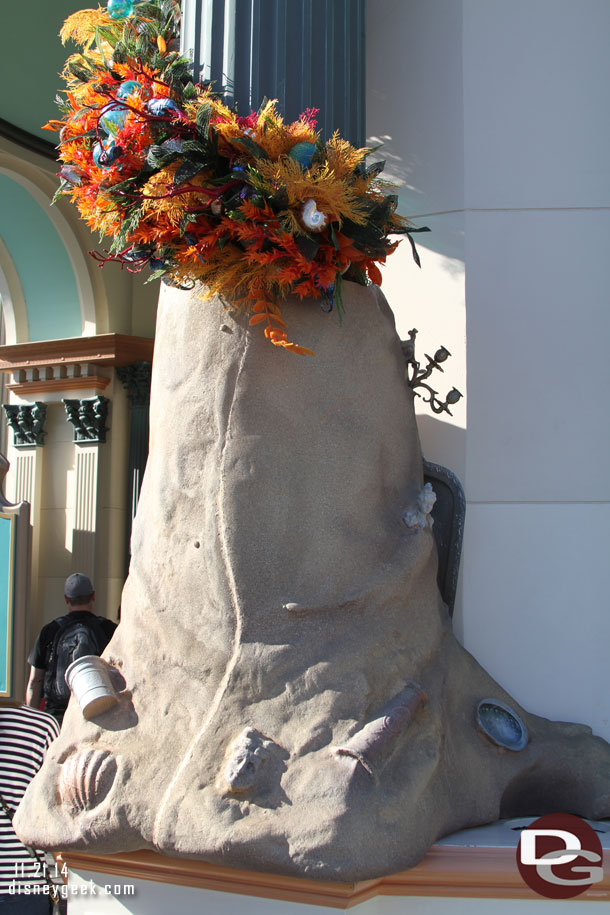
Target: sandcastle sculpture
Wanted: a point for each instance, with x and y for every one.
(291, 695)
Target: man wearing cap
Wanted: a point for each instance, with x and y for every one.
(79, 632)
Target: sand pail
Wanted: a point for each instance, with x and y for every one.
(89, 680)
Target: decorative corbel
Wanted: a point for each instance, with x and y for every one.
(88, 417)
(136, 381)
(27, 422)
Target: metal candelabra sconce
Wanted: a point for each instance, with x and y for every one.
(416, 375)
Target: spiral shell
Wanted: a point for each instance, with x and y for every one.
(312, 217)
(86, 779)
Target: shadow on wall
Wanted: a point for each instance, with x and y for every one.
(83, 551)
(443, 443)
(447, 225)
(397, 169)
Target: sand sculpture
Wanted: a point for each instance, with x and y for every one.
(291, 695)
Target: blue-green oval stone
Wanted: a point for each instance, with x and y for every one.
(302, 153)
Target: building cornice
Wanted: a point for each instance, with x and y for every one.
(103, 349)
(75, 364)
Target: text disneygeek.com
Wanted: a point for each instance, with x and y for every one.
(75, 889)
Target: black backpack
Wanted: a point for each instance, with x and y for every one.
(76, 636)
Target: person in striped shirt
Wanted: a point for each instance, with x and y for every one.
(25, 736)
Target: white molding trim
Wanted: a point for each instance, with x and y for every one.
(70, 242)
(13, 299)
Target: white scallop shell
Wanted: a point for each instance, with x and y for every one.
(86, 778)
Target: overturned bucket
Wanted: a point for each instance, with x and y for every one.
(89, 681)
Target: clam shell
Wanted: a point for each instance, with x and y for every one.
(86, 779)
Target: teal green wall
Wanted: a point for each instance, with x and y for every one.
(7, 558)
(43, 265)
(31, 60)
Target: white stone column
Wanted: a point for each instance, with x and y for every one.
(26, 475)
(25, 484)
(88, 416)
(85, 509)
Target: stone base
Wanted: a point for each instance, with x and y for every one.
(292, 698)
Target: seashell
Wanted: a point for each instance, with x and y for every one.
(249, 752)
(373, 743)
(86, 778)
(502, 725)
(420, 517)
(312, 217)
(426, 499)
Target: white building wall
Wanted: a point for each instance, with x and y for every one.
(496, 115)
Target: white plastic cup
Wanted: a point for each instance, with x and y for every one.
(89, 681)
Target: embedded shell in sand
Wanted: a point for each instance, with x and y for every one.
(86, 778)
(275, 587)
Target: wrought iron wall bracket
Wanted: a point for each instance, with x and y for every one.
(416, 375)
(88, 417)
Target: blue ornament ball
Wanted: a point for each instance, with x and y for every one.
(106, 154)
(118, 9)
(98, 149)
(127, 88)
(302, 153)
(113, 119)
(162, 107)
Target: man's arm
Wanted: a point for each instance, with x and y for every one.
(33, 692)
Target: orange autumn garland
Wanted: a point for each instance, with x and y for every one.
(251, 207)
